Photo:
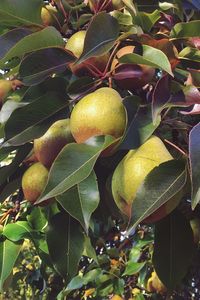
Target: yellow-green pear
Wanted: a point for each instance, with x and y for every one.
(132, 170)
(99, 113)
(75, 44)
(47, 15)
(155, 285)
(48, 146)
(5, 88)
(34, 181)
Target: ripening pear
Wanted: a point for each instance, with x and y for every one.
(99, 113)
(48, 146)
(75, 44)
(130, 76)
(5, 88)
(154, 285)
(47, 15)
(132, 170)
(117, 297)
(34, 181)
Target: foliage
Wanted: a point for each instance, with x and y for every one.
(83, 246)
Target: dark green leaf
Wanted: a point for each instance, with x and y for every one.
(20, 41)
(173, 249)
(82, 200)
(65, 242)
(42, 63)
(73, 164)
(101, 35)
(20, 12)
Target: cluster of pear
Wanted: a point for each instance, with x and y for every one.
(98, 113)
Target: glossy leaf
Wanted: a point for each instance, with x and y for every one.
(20, 41)
(80, 87)
(101, 35)
(151, 57)
(52, 60)
(190, 54)
(147, 20)
(158, 187)
(82, 200)
(65, 243)
(185, 30)
(32, 115)
(20, 12)
(194, 152)
(133, 268)
(9, 252)
(73, 164)
(173, 249)
(17, 231)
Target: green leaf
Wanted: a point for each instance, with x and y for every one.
(89, 250)
(82, 200)
(9, 252)
(52, 60)
(65, 242)
(190, 53)
(17, 231)
(73, 164)
(147, 20)
(20, 41)
(33, 119)
(161, 184)
(151, 57)
(133, 268)
(101, 35)
(37, 219)
(11, 187)
(185, 30)
(173, 249)
(7, 171)
(20, 12)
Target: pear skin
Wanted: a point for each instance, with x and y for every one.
(47, 15)
(5, 88)
(132, 170)
(48, 146)
(154, 285)
(34, 181)
(99, 113)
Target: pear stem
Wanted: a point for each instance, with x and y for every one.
(176, 147)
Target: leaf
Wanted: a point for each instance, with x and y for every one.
(82, 200)
(81, 86)
(7, 109)
(185, 30)
(194, 152)
(10, 187)
(65, 242)
(133, 268)
(20, 41)
(190, 54)
(9, 252)
(150, 57)
(101, 36)
(33, 119)
(173, 249)
(7, 171)
(20, 12)
(17, 231)
(52, 60)
(147, 20)
(73, 164)
(37, 219)
(140, 124)
(89, 250)
(161, 184)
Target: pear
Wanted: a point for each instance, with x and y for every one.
(47, 15)
(117, 297)
(34, 181)
(48, 146)
(130, 76)
(131, 172)
(154, 285)
(5, 88)
(99, 113)
(75, 44)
